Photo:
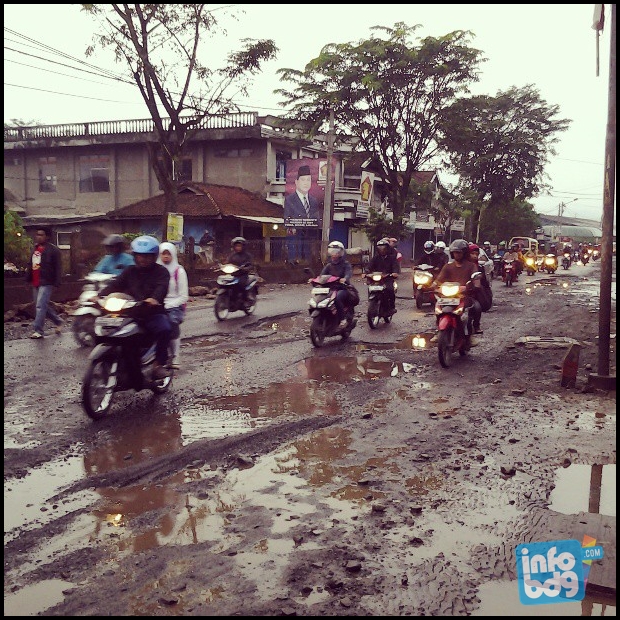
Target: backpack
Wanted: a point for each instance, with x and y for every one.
(485, 298)
(353, 294)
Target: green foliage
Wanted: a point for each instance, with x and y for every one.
(378, 226)
(513, 219)
(17, 243)
(388, 93)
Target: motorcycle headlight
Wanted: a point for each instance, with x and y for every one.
(549, 261)
(115, 304)
(229, 268)
(376, 277)
(529, 261)
(421, 277)
(449, 289)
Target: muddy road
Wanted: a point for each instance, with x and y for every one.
(275, 479)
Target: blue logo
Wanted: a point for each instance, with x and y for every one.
(553, 572)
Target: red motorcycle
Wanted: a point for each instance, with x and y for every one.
(509, 271)
(449, 310)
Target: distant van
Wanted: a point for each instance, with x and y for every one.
(526, 243)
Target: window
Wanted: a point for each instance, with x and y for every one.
(63, 240)
(281, 159)
(47, 174)
(11, 159)
(185, 172)
(94, 173)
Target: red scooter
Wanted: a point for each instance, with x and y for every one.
(449, 310)
(509, 271)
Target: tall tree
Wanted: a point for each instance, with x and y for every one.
(499, 146)
(388, 94)
(160, 44)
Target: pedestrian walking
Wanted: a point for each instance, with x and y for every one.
(44, 273)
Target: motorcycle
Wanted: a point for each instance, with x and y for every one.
(566, 260)
(322, 310)
(585, 258)
(530, 265)
(551, 263)
(449, 309)
(379, 304)
(230, 296)
(123, 357)
(497, 265)
(595, 254)
(83, 322)
(423, 276)
(509, 275)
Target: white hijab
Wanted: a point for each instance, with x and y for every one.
(174, 263)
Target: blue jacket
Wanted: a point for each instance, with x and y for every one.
(114, 263)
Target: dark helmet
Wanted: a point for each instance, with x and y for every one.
(459, 245)
(429, 247)
(145, 245)
(111, 240)
(237, 240)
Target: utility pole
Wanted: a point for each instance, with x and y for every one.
(327, 203)
(602, 377)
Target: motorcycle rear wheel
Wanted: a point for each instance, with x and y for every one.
(221, 307)
(98, 388)
(444, 348)
(317, 331)
(373, 314)
(84, 330)
(250, 302)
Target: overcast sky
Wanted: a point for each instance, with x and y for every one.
(550, 46)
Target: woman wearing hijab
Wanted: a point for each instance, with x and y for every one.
(175, 301)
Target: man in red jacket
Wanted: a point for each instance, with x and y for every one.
(44, 272)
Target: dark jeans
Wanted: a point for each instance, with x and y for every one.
(474, 313)
(160, 328)
(342, 300)
(391, 294)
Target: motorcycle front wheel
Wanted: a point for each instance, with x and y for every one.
(84, 330)
(250, 302)
(444, 348)
(419, 299)
(508, 279)
(373, 313)
(98, 388)
(221, 307)
(317, 331)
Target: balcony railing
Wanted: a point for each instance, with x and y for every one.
(102, 128)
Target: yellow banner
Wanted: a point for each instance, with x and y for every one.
(175, 227)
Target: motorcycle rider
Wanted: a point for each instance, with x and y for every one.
(387, 263)
(483, 296)
(515, 254)
(341, 268)
(116, 259)
(440, 247)
(486, 246)
(242, 258)
(501, 248)
(431, 256)
(460, 269)
(148, 281)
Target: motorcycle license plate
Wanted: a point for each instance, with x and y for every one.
(319, 290)
(447, 301)
(110, 321)
(375, 287)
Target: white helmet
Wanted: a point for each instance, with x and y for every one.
(335, 248)
(440, 245)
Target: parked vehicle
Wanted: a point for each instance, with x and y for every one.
(123, 357)
(423, 277)
(509, 274)
(550, 263)
(322, 310)
(83, 322)
(449, 310)
(232, 295)
(379, 304)
(526, 243)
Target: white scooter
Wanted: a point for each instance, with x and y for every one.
(83, 324)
